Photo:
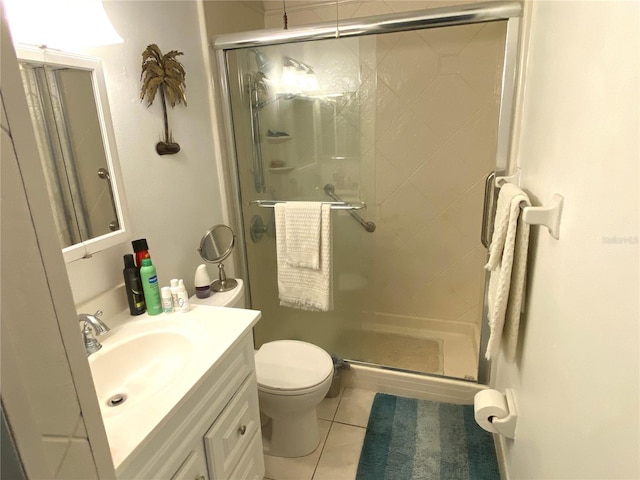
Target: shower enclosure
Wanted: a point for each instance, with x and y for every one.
(397, 120)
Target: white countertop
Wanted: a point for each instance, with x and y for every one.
(215, 330)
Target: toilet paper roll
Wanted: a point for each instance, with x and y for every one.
(488, 404)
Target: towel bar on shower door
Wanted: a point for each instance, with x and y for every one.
(334, 205)
(257, 227)
(337, 205)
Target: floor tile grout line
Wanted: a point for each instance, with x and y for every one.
(341, 396)
(315, 469)
(349, 424)
(329, 432)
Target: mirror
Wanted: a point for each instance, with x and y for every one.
(216, 245)
(66, 96)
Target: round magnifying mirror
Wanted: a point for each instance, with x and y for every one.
(216, 245)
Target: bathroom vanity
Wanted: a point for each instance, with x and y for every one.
(191, 400)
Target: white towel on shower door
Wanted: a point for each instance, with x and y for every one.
(301, 287)
(508, 266)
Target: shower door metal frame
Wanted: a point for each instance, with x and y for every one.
(509, 11)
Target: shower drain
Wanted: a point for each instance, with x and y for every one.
(117, 399)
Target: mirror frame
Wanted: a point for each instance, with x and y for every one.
(87, 248)
(227, 252)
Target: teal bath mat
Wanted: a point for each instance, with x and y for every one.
(409, 439)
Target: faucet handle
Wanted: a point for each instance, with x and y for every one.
(99, 327)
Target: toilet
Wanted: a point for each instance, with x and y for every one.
(293, 377)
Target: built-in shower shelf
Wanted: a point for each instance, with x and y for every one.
(280, 169)
(278, 139)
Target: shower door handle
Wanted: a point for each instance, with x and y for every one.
(489, 189)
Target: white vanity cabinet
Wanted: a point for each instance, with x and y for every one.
(213, 432)
(233, 432)
(194, 466)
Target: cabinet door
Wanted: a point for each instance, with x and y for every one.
(232, 433)
(251, 464)
(194, 467)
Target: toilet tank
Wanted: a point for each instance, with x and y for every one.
(233, 298)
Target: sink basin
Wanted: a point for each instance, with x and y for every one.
(131, 369)
(156, 362)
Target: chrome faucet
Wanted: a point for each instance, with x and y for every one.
(92, 327)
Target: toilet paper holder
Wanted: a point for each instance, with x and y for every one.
(507, 426)
(496, 412)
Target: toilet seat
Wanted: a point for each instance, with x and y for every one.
(292, 367)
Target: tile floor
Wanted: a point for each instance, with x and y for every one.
(343, 421)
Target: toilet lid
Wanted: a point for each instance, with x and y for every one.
(292, 365)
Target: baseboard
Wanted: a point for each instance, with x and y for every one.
(411, 385)
(500, 443)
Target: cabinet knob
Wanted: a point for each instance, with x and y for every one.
(242, 430)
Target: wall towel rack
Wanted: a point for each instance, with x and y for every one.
(513, 178)
(334, 205)
(548, 216)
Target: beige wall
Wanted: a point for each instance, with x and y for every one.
(172, 199)
(576, 377)
(303, 12)
(232, 16)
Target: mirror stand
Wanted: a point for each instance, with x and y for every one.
(215, 246)
(223, 284)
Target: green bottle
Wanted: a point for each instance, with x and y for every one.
(150, 287)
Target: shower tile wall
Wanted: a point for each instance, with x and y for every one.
(436, 113)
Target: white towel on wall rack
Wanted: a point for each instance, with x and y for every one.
(301, 287)
(508, 265)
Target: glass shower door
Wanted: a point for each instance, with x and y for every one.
(301, 125)
(406, 123)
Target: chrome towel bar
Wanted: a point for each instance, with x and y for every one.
(334, 205)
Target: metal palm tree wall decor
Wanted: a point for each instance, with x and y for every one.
(165, 74)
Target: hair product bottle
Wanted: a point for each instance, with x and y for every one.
(142, 250)
(150, 287)
(133, 286)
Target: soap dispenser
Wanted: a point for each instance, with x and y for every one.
(202, 282)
